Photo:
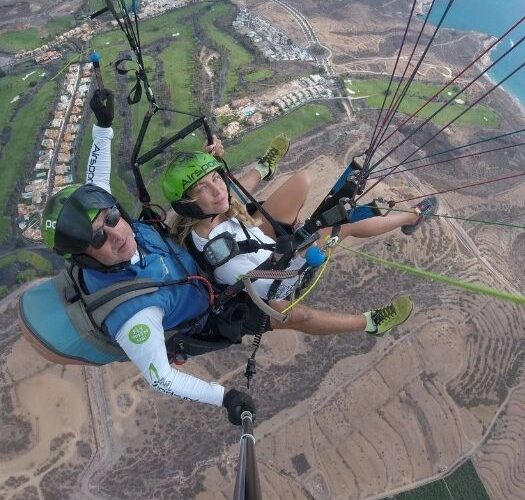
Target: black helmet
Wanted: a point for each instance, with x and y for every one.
(68, 215)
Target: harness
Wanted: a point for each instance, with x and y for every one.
(72, 324)
(207, 263)
(209, 259)
(75, 330)
(98, 305)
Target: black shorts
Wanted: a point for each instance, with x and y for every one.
(239, 317)
(255, 320)
(251, 209)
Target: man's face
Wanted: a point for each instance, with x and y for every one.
(120, 244)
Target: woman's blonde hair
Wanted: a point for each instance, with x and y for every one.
(182, 225)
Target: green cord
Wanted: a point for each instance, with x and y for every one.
(471, 287)
(445, 216)
(74, 60)
(311, 287)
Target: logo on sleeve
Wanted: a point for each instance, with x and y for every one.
(139, 334)
(153, 373)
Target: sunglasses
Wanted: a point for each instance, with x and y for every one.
(111, 220)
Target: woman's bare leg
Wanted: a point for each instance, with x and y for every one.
(317, 322)
(285, 202)
(374, 226)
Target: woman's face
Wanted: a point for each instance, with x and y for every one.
(211, 194)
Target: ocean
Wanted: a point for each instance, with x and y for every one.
(492, 17)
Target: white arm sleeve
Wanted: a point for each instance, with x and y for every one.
(142, 338)
(98, 170)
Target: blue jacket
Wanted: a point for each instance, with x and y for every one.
(180, 303)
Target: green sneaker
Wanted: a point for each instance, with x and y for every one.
(385, 318)
(267, 165)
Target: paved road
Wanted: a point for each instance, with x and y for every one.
(311, 37)
(101, 420)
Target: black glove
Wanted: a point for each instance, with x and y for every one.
(102, 105)
(235, 403)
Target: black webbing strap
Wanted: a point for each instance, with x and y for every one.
(135, 94)
(98, 13)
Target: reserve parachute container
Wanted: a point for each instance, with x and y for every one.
(54, 319)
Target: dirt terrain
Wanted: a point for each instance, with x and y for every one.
(23, 14)
(347, 416)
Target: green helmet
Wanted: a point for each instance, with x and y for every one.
(51, 213)
(182, 173)
(67, 217)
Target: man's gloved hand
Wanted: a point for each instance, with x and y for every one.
(235, 403)
(102, 105)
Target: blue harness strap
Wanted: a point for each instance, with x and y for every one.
(364, 212)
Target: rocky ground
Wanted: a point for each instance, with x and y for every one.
(22, 14)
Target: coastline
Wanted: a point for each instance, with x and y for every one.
(422, 7)
(486, 61)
